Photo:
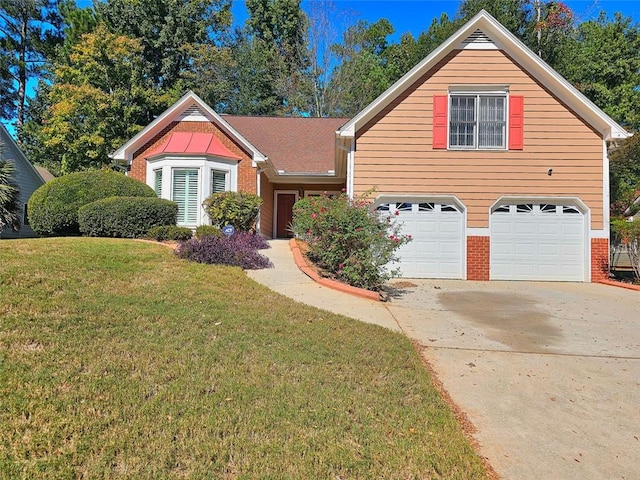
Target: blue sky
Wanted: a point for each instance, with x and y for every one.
(415, 16)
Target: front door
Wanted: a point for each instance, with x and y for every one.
(284, 214)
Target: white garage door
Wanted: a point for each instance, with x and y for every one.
(531, 241)
(437, 231)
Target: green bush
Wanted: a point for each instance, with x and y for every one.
(53, 208)
(162, 233)
(128, 217)
(207, 231)
(239, 209)
(348, 239)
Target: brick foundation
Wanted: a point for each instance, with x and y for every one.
(478, 258)
(599, 259)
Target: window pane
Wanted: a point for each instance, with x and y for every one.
(218, 181)
(462, 121)
(491, 122)
(185, 194)
(157, 182)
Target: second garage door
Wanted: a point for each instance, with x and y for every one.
(437, 231)
(537, 241)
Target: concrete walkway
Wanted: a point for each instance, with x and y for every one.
(548, 373)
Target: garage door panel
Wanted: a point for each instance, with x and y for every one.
(436, 249)
(544, 243)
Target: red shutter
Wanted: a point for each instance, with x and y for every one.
(516, 122)
(440, 103)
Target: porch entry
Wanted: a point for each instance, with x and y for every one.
(284, 213)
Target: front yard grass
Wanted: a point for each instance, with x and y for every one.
(118, 360)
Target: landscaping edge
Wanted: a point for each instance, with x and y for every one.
(327, 282)
(628, 286)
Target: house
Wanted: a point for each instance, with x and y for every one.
(493, 162)
(26, 177)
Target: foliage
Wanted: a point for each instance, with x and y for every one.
(602, 61)
(29, 32)
(162, 233)
(98, 100)
(165, 28)
(125, 217)
(207, 230)
(53, 208)
(119, 357)
(239, 209)
(628, 234)
(240, 250)
(273, 68)
(625, 175)
(348, 239)
(10, 207)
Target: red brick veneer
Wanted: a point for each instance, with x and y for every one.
(247, 179)
(599, 259)
(478, 258)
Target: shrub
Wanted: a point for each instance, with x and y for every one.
(348, 239)
(628, 234)
(128, 217)
(207, 230)
(238, 250)
(162, 233)
(53, 208)
(239, 209)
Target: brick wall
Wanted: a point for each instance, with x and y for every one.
(246, 173)
(599, 259)
(478, 258)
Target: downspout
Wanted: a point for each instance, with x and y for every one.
(350, 168)
(258, 173)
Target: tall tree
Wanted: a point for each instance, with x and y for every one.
(165, 27)
(99, 98)
(29, 30)
(273, 60)
(625, 174)
(361, 74)
(602, 61)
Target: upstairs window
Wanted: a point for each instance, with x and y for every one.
(477, 121)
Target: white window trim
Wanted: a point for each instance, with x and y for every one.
(489, 91)
(204, 165)
(314, 193)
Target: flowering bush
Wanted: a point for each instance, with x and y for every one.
(348, 239)
(628, 234)
(240, 249)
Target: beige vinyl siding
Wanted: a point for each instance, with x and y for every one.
(394, 151)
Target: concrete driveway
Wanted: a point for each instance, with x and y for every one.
(549, 373)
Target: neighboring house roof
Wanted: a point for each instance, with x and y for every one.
(7, 139)
(190, 105)
(504, 40)
(294, 145)
(193, 143)
(44, 173)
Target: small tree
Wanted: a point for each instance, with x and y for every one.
(238, 209)
(348, 239)
(9, 198)
(628, 234)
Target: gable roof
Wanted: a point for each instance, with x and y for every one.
(484, 29)
(294, 145)
(6, 138)
(189, 105)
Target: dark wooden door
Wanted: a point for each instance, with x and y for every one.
(284, 214)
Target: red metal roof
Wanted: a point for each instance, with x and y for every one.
(193, 144)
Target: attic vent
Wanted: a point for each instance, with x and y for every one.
(193, 114)
(479, 40)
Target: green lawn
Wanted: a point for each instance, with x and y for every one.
(118, 360)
